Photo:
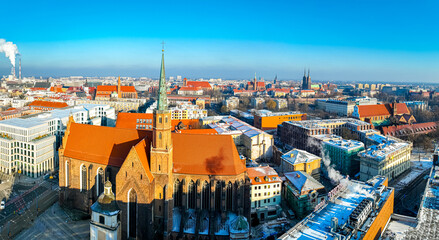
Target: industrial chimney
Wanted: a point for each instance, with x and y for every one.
(13, 71)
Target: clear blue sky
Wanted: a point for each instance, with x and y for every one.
(373, 40)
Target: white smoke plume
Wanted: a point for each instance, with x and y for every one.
(10, 50)
(335, 176)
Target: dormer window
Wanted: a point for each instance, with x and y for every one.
(257, 179)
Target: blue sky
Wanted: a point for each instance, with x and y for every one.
(374, 40)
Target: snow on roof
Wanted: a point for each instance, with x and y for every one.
(303, 181)
(345, 144)
(231, 125)
(317, 225)
(385, 146)
(428, 216)
(319, 124)
(296, 156)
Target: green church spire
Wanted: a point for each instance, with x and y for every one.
(163, 99)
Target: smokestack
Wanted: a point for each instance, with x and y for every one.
(19, 67)
(11, 51)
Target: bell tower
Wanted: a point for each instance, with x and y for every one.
(161, 163)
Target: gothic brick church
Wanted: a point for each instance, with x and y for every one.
(167, 185)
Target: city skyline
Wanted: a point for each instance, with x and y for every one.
(338, 41)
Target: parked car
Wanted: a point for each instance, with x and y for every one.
(2, 205)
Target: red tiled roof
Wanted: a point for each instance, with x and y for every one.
(127, 89)
(202, 84)
(192, 153)
(410, 128)
(103, 145)
(202, 154)
(261, 173)
(259, 84)
(48, 104)
(143, 151)
(381, 109)
(190, 89)
(129, 120)
(107, 88)
(199, 131)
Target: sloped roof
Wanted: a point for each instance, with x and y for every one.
(410, 128)
(259, 84)
(103, 145)
(189, 89)
(127, 89)
(303, 181)
(193, 153)
(381, 109)
(107, 88)
(206, 155)
(129, 120)
(202, 84)
(199, 131)
(143, 151)
(38, 103)
(261, 173)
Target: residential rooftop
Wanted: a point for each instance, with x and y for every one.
(296, 156)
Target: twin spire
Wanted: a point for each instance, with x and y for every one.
(304, 72)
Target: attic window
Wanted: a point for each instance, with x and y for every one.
(257, 179)
(266, 178)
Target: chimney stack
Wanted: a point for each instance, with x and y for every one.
(13, 71)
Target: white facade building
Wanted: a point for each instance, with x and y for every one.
(266, 189)
(187, 111)
(29, 144)
(231, 103)
(389, 158)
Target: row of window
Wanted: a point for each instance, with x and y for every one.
(267, 193)
(265, 186)
(143, 126)
(144, 121)
(268, 200)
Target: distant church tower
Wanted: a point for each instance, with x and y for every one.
(306, 82)
(162, 159)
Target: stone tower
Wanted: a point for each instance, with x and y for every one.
(162, 159)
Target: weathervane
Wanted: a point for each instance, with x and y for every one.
(163, 46)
